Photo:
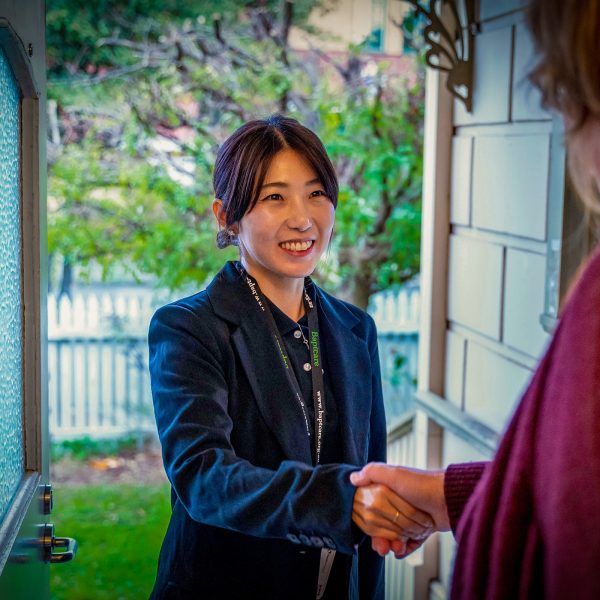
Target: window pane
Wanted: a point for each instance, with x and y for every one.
(375, 42)
(11, 386)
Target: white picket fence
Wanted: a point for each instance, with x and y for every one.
(98, 358)
(98, 363)
(396, 314)
(396, 310)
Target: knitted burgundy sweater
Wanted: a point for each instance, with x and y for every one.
(528, 523)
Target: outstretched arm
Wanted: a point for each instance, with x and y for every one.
(219, 488)
(216, 486)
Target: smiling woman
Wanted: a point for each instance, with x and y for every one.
(260, 428)
(286, 232)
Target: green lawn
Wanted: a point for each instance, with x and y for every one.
(119, 529)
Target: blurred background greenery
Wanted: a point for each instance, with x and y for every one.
(119, 528)
(141, 94)
(113, 495)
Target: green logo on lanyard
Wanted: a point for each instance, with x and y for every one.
(314, 342)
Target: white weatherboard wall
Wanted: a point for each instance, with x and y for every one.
(499, 178)
(488, 199)
(498, 213)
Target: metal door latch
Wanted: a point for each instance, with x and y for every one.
(44, 545)
(50, 543)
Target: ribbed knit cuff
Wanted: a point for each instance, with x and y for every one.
(459, 482)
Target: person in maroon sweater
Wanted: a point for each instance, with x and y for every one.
(528, 522)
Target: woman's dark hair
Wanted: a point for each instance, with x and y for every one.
(244, 159)
(566, 35)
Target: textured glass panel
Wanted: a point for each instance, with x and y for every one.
(11, 387)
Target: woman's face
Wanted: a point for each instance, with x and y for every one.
(584, 147)
(290, 226)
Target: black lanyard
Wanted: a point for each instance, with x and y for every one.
(318, 388)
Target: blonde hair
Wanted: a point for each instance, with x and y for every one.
(566, 34)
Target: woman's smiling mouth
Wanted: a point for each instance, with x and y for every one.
(297, 248)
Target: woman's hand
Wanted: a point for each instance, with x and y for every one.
(423, 490)
(381, 513)
(400, 548)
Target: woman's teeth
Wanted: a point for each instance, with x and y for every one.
(296, 246)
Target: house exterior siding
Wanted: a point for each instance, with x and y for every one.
(488, 200)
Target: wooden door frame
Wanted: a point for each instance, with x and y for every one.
(32, 210)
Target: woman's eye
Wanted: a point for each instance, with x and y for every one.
(273, 197)
(317, 193)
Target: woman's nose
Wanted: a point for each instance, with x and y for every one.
(299, 216)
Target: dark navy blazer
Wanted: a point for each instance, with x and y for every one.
(250, 513)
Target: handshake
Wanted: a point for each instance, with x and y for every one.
(398, 507)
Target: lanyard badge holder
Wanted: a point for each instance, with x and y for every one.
(327, 555)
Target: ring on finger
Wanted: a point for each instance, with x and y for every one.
(397, 515)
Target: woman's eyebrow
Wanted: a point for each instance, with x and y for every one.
(283, 184)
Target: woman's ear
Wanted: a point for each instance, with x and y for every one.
(217, 208)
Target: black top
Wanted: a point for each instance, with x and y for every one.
(299, 357)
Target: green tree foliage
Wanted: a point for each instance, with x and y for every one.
(74, 27)
(373, 135)
(139, 115)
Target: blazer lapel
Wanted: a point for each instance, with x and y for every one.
(272, 390)
(262, 363)
(348, 363)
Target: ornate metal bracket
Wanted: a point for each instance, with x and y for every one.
(450, 43)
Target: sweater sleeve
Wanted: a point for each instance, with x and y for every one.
(459, 483)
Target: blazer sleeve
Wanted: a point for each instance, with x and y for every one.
(216, 487)
(371, 579)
